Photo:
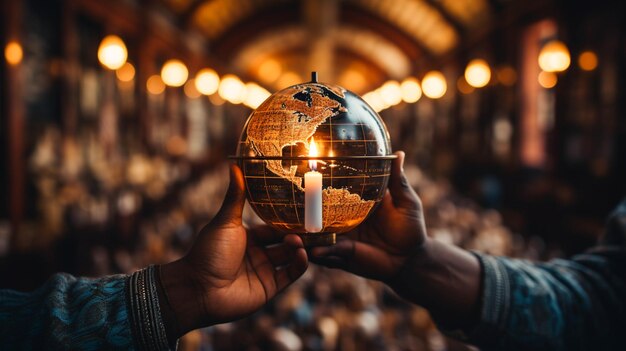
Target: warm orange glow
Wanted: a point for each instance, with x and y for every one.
(232, 89)
(269, 71)
(174, 73)
(547, 79)
(374, 99)
(155, 85)
(207, 81)
(507, 76)
(588, 60)
(13, 53)
(190, 90)
(126, 73)
(554, 57)
(463, 87)
(434, 84)
(288, 79)
(313, 153)
(477, 73)
(391, 93)
(112, 52)
(411, 90)
(255, 95)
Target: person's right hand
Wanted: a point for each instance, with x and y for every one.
(383, 245)
(392, 246)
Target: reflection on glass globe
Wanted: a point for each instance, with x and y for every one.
(354, 156)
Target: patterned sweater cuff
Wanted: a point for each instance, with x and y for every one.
(145, 312)
(495, 302)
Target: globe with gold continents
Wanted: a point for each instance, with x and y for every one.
(319, 128)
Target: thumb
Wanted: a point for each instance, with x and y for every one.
(402, 193)
(232, 207)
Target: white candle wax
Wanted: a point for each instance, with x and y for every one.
(313, 202)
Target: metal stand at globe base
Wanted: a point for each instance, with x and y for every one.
(318, 239)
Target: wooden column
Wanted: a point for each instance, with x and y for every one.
(14, 111)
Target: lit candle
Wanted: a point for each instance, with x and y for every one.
(313, 194)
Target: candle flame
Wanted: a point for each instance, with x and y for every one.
(312, 153)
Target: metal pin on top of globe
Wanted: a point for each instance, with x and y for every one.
(352, 162)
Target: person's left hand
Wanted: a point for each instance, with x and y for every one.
(229, 272)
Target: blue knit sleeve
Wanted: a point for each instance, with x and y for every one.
(67, 312)
(575, 304)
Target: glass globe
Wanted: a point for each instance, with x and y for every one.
(353, 156)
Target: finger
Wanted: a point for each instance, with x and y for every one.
(294, 241)
(265, 235)
(402, 193)
(280, 255)
(290, 273)
(356, 257)
(232, 207)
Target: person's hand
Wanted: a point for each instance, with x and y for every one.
(392, 246)
(230, 272)
(381, 246)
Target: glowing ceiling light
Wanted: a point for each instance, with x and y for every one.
(391, 93)
(155, 85)
(232, 89)
(126, 73)
(255, 95)
(547, 79)
(477, 73)
(174, 73)
(374, 99)
(190, 89)
(269, 70)
(112, 52)
(507, 76)
(463, 86)
(588, 60)
(411, 90)
(288, 79)
(207, 81)
(434, 85)
(554, 57)
(13, 53)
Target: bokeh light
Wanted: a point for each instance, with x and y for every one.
(554, 57)
(434, 85)
(547, 79)
(588, 60)
(255, 95)
(464, 87)
(411, 90)
(174, 73)
(374, 99)
(391, 93)
(232, 89)
(269, 70)
(507, 76)
(13, 53)
(112, 52)
(288, 79)
(477, 73)
(126, 73)
(190, 89)
(207, 81)
(155, 85)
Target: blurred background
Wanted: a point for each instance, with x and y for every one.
(118, 115)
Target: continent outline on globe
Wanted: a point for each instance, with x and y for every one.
(288, 120)
(269, 124)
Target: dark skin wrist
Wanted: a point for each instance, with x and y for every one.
(443, 279)
(229, 272)
(392, 246)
